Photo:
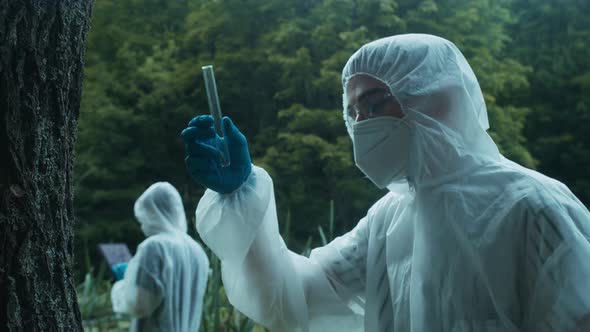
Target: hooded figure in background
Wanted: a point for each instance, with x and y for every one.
(164, 283)
(465, 239)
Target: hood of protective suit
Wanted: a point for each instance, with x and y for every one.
(159, 210)
(441, 99)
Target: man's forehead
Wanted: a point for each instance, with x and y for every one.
(359, 84)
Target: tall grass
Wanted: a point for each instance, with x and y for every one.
(94, 300)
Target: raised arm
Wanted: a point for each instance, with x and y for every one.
(272, 285)
(237, 219)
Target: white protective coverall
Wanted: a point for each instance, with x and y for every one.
(470, 241)
(165, 281)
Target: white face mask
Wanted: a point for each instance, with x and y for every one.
(381, 149)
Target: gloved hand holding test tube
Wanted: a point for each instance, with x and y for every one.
(215, 110)
(210, 141)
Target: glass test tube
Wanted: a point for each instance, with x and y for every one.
(215, 111)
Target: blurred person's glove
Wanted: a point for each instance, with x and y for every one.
(203, 158)
(119, 270)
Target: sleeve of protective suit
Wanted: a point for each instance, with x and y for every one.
(140, 292)
(557, 269)
(262, 278)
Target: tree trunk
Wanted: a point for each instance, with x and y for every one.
(41, 67)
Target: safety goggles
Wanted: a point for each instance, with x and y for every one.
(370, 106)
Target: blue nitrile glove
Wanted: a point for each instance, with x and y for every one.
(203, 157)
(119, 270)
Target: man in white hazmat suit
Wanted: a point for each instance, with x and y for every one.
(164, 284)
(466, 240)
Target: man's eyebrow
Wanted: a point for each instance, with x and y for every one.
(369, 93)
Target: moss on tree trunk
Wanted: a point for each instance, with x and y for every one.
(41, 67)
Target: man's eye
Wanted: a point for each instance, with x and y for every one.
(378, 107)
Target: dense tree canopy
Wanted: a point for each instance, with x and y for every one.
(278, 65)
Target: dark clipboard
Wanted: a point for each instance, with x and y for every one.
(114, 253)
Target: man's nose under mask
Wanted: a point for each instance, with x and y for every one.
(381, 149)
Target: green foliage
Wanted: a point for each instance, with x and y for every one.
(94, 301)
(553, 38)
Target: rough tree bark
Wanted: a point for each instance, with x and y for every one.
(41, 66)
